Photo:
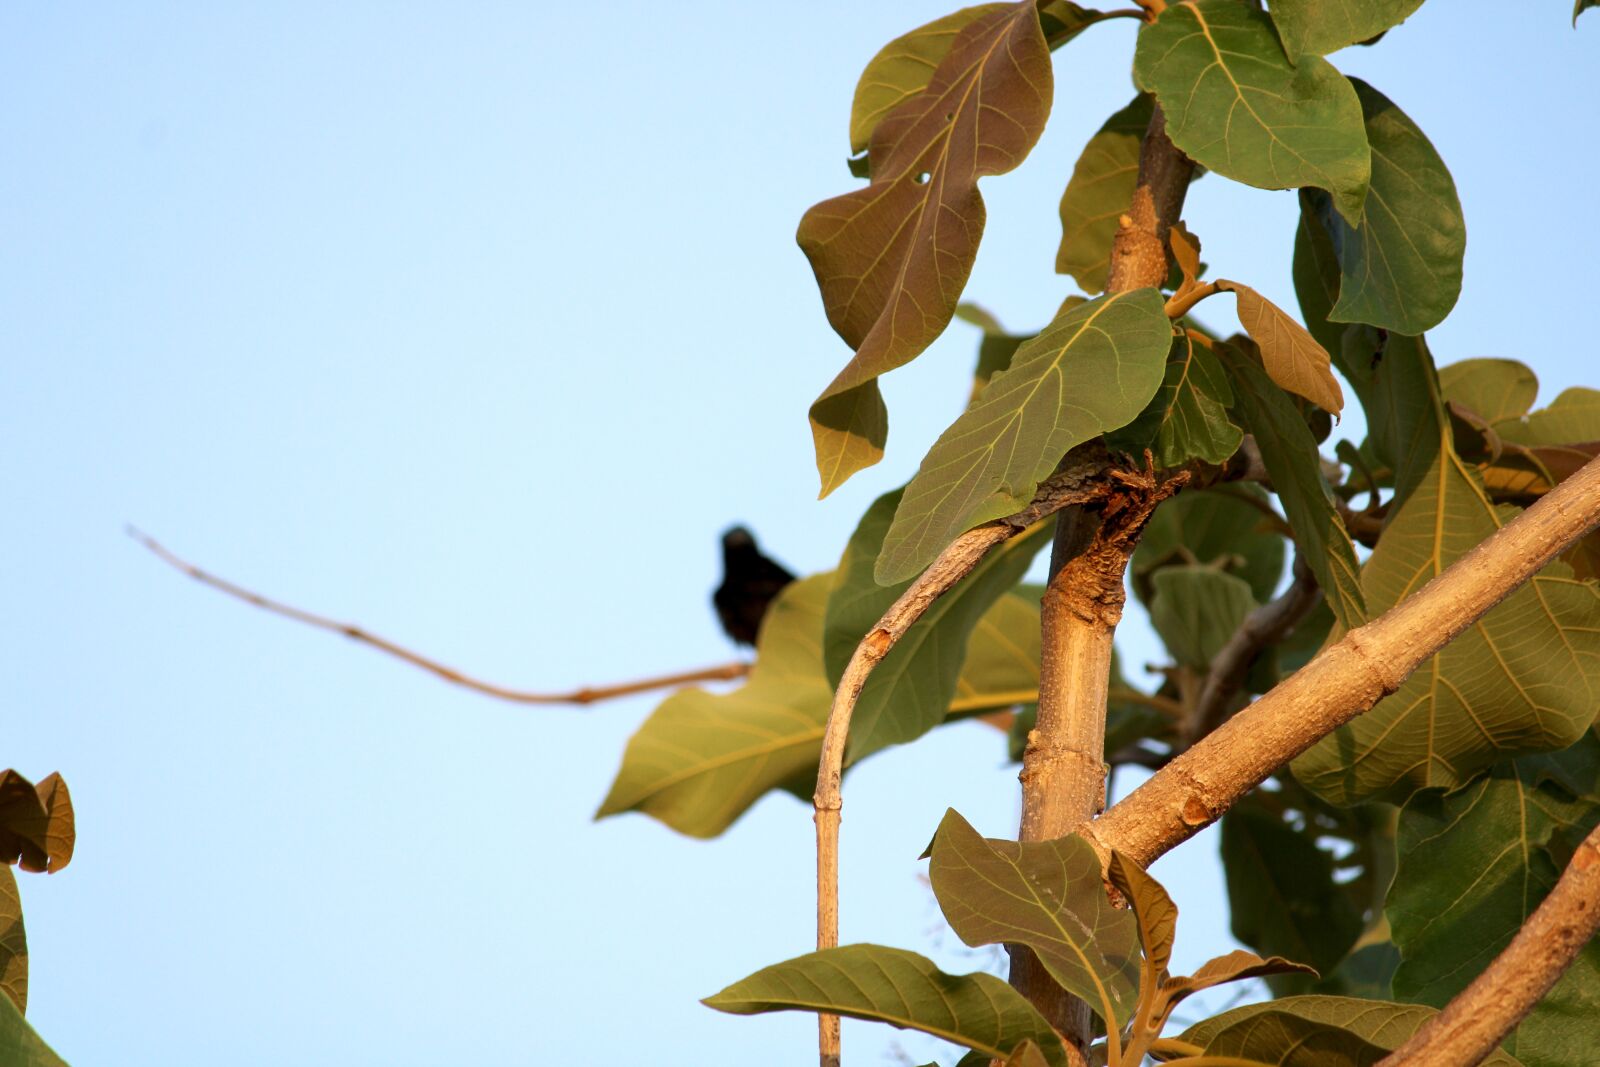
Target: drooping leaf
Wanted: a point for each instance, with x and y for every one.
(1495, 389)
(891, 259)
(1474, 864)
(1401, 269)
(902, 989)
(36, 822)
(1154, 910)
(1384, 1025)
(1572, 417)
(1046, 895)
(1217, 529)
(910, 691)
(1091, 370)
(1292, 357)
(702, 758)
(1188, 418)
(20, 1046)
(1321, 27)
(1099, 192)
(1235, 104)
(13, 942)
(1290, 454)
(1196, 610)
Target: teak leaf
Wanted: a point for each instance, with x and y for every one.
(36, 823)
(891, 259)
(1093, 369)
(20, 1046)
(1236, 105)
(902, 989)
(1319, 27)
(1098, 194)
(1196, 610)
(1292, 357)
(1283, 1039)
(1401, 269)
(1572, 417)
(13, 941)
(1154, 910)
(1499, 390)
(1188, 418)
(1474, 864)
(1046, 895)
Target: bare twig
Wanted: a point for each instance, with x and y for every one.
(1481, 1015)
(1344, 680)
(587, 695)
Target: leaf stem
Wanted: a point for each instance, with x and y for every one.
(1182, 303)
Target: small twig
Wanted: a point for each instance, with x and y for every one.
(1473, 1024)
(1182, 303)
(1266, 625)
(586, 695)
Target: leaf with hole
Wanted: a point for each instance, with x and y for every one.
(1320, 27)
(903, 989)
(1093, 369)
(891, 259)
(1235, 104)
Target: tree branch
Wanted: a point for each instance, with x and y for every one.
(1473, 1024)
(586, 695)
(1344, 680)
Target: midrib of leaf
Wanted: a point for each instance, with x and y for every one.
(777, 744)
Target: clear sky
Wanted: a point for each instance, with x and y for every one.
(476, 323)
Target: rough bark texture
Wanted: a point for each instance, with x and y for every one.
(1479, 1018)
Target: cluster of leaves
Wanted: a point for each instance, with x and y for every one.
(37, 833)
(1395, 857)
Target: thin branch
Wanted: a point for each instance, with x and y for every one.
(1266, 625)
(1344, 680)
(587, 695)
(1473, 1024)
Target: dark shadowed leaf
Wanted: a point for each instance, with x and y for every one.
(1154, 910)
(1219, 529)
(1316, 279)
(1290, 453)
(1320, 27)
(1188, 418)
(36, 823)
(1384, 1025)
(902, 989)
(1093, 369)
(1401, 270)
(1196, 609)
(13, 941)
(1292, 357)
(1282, 1039)
(1474, 865)
(19, 1045)
(1235, 104)
(1099, 192)
(1046, 895)
(1027, 1054)
(891, 259)
(1580, 6)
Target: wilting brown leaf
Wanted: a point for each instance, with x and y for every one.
(1293, 358)
(891, 259)
(1185, 253)
(36, 825)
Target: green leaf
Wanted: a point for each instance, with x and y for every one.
(1099, 192)
(13, 942)
(1214, 528)
(1496, 389)
(702, 759)
(1385, 1025)
(1320, 27)
(1154, 910)
(902, 989)
(1046, 895)
(1002, 665)
(1401, 270)
(1290, 453)
(1292, 357)
(1316, 280)
(1235, 104)
(1188, 418)
(1474, 864)
(1282, 892)
(891, 259)
(19, 1045)
(1196, 610)
(910, 691)
(1573, 417)
(1093, 369)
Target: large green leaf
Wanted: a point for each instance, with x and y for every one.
(910, 691)
(1098, 194)
(1401, 269)
(1318, 27)
(1385, 1025)
(1474, 864)
(891, 259)
(703, 758)
(13, 941)
(902, 989)
(1571, 417)
(1046, 895)
(1220, 529)
(1316, 280)
(1188, 419)
(1290, 453)
(1093, 369)
(1495, 389)
(19, 1045)
(1235, 104)
(1196, 610)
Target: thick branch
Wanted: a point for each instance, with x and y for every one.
(586, 695)
(1481, 1015)
(1344, 680)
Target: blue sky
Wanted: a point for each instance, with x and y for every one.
(477, 323)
